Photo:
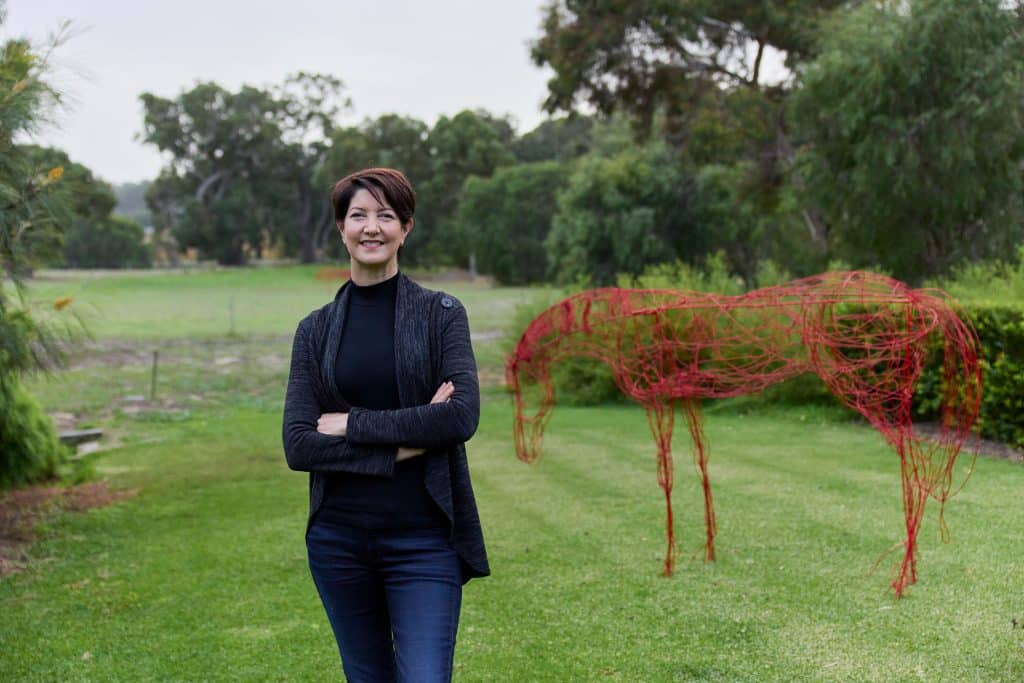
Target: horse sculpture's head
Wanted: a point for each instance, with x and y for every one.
(528, 378)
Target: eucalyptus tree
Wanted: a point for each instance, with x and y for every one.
(913, 131)
(240, 165)
(694, 68)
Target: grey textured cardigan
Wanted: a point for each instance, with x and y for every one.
(431, 346)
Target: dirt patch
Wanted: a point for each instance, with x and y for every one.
(22, 510)
(491, 376)
(974, 443)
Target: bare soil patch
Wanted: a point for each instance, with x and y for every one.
(974, 443)
(22, 510)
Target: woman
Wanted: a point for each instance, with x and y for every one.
(382, 395)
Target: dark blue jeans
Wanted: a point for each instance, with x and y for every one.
(392, 597)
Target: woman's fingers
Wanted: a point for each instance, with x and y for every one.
(443, 393)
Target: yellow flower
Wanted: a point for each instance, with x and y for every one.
(62, 302)
(55, 173)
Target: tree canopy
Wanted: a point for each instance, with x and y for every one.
(226, 149)
(913, 133)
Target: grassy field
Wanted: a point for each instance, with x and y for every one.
(201, 575)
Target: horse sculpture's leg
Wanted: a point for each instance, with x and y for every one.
(661, 418)
(700, 458)
(915, 495)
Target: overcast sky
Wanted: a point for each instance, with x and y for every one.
(415, 57)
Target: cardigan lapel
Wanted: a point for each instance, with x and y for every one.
(412, 345)
(416, 360)
(329, 354)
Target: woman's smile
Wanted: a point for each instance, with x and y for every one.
(372, 233)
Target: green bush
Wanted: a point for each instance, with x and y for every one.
(577, 381)
(114, 242)
(506, 217)
(30, 450)
(1001, 332)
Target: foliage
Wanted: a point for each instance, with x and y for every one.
(666, 55)
(30, 218)
(113, 242)
(577, 381)
(467, 144)
(561, 139)
(507, 216)
(227, 148)
(1001, 331)
(752, 225)
(915, 133)
(712, 276)
(29, 448)
(691, 72)
(992, 297)
(990, 282)
(92, 236)
(623, 213)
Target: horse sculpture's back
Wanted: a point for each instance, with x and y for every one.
(865, 335)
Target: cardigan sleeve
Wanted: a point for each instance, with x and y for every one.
(434, 425)
(306, 449)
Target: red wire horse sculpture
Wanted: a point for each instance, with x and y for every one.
(865, 335)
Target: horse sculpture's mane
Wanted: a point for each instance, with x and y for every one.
(865, 335)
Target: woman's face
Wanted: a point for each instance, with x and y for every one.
(372, 234)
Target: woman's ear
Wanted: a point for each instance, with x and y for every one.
(406, 229)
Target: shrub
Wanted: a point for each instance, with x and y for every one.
(114, 242)
(1001, 332)
(577, 381)
(506, 217)
(30, 450)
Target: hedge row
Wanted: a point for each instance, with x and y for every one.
(1001, 332)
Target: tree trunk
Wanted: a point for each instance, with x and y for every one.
(314, 217)
(817, 227)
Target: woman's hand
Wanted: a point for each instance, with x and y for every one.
(443, 393)
(333, 424)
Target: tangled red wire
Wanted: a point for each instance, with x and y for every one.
(865, 335)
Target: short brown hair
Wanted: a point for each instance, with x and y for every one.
(387, 186)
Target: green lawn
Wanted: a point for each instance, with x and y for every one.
(197, 303)
(202, 574)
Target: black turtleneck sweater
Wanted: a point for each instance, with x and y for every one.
(365, 375)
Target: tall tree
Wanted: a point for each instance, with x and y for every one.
(30, 221)
(662, 60)
(507, 217)
(92, 236)
(309, 105)
(464, 145)
(219, 145)
(559, 139)
(226, 148)
(622, 213)
(914, 130)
